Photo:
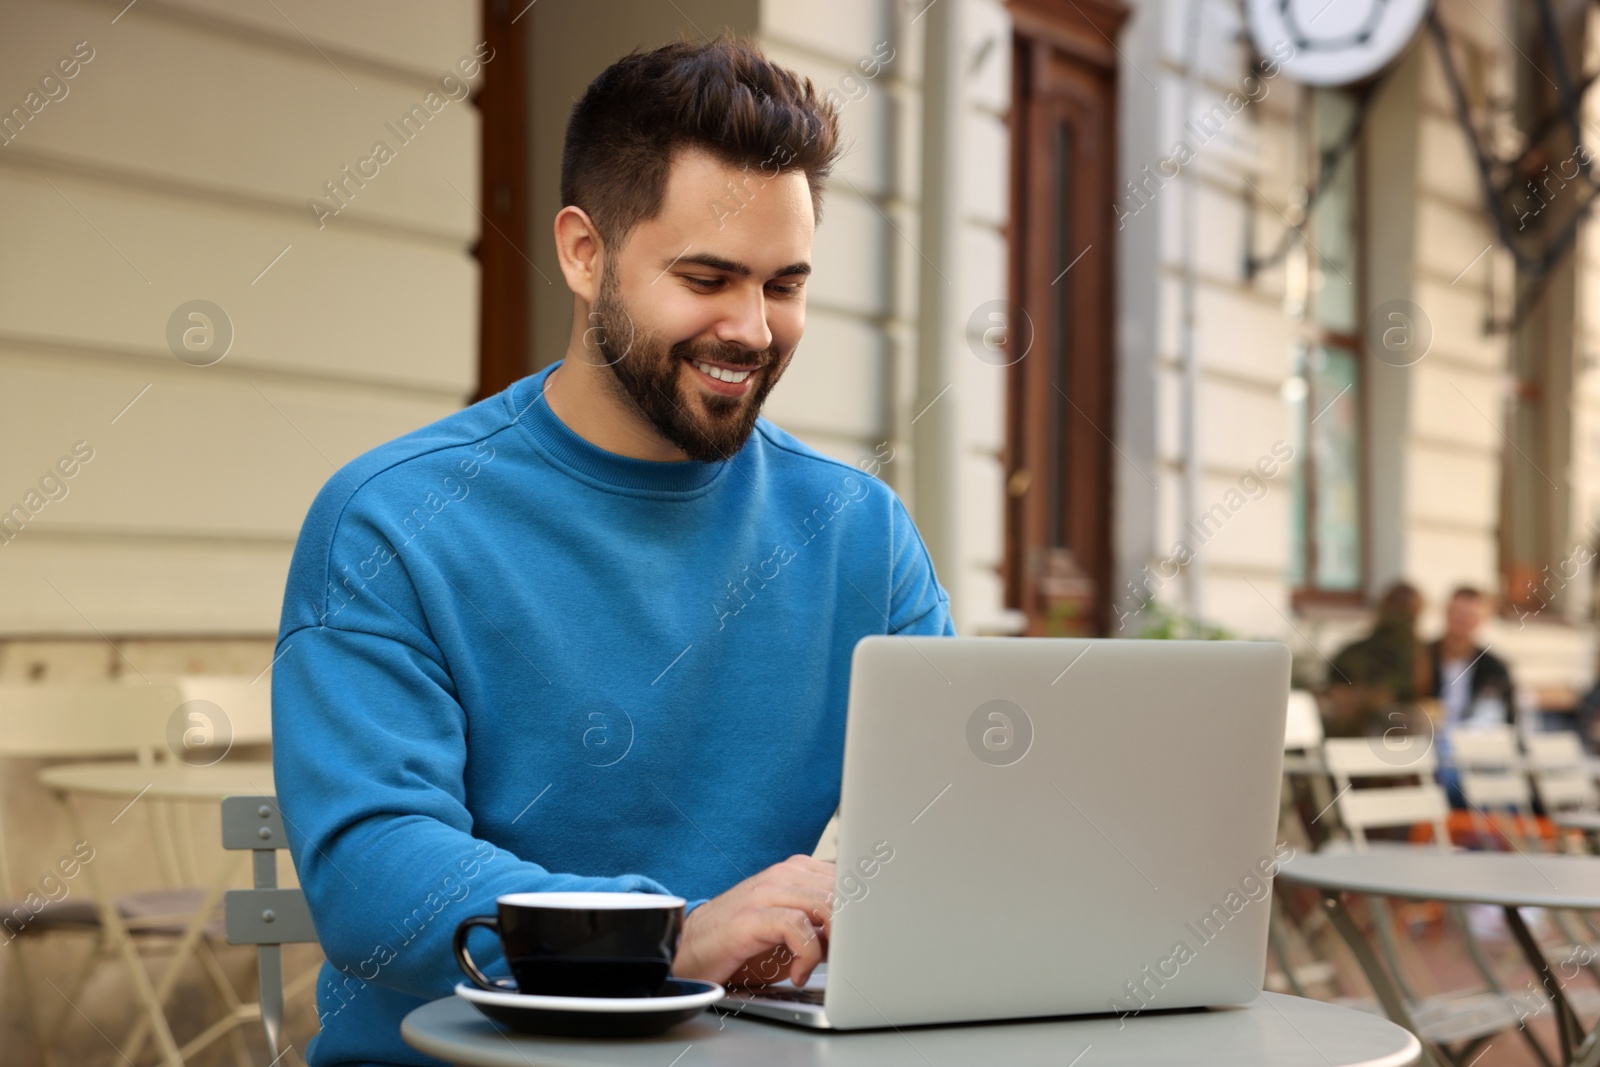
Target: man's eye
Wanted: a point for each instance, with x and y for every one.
(785, 290)
(703, 284)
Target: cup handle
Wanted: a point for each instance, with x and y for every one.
(464, 958)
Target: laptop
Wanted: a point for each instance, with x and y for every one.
(1046, 827)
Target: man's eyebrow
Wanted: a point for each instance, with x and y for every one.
(716, 262)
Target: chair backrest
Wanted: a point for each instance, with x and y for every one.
(245, 705)
(1490, 768)
(267, 916)
(1303, 727)
(1349, 758)
(1560, 769)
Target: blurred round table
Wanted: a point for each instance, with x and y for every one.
(1509, 880)
(1276, 1030)
(157, 783)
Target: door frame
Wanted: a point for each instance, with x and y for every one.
(504, 189)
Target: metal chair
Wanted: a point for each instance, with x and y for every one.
(81, 721)
(267, 916)
(1493, 780)
(1304, 777)
(1460, 1018)
(117, 719)
(1559, 767)
(219, 713)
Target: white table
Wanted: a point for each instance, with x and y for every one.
(1275, 1030)
(1510, 880)
(136, 783)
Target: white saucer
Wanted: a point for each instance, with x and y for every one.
(609, 1017)
(705, 993)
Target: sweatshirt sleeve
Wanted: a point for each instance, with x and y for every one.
(917, 603)
(369, 754)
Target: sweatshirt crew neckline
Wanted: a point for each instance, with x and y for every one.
(569, 451)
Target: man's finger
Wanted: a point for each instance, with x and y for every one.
(800, 971)
(793, 928)
(810, 894)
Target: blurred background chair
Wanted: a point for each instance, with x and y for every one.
(152, 730)
(1559, 767)
(1458, 1018)
(71, 722)
(1300, 945)
(1493, 781)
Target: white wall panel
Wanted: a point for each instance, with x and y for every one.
(421, 34)
(835, 383)
(845, 29)
(180, 103)
(127, 585)
(1451, 241)
(351, 304)
(1242, 335)
(1457, 313)
(851, 257)
(1448, 168)
(1452, 403)
(177, 168)
(193, 455)
(1455, 487)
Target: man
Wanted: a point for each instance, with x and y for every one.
(1472, 685)
(1462, 672)
(593, 633)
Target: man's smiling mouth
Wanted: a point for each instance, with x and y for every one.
(723, 374)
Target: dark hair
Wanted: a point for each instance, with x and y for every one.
(1471, 592)
(721, 96)
(1399, 603)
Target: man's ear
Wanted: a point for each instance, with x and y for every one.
(580, 252)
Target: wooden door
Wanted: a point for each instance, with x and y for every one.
(1060, 424)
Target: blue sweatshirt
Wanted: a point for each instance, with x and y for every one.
(512, 661)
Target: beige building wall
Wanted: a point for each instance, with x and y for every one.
(177, 167)
(1199, 339)
(1435, 430)
(1453, 445)
(176, 164)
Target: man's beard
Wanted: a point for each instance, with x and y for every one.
(647, 374)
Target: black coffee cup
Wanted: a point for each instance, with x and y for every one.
(580, 944)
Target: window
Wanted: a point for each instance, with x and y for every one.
(1328, 523)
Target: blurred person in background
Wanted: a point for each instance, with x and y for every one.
(1374, 683)
(1472, 686)
(1471, 683)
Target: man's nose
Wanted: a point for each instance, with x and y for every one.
(745, 323)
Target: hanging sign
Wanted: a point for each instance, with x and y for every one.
(1335, 42)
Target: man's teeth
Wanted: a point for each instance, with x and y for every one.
(721, 375)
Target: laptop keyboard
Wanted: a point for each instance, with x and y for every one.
(805, 995)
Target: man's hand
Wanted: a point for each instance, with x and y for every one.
(776, 919)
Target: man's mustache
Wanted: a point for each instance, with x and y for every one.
(740, 358)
